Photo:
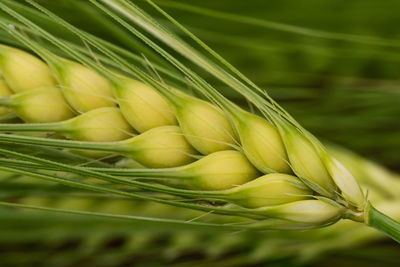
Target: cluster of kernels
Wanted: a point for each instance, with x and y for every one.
(203, 127)
(52, 95)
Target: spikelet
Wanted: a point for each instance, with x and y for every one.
(160, 147)
(23, 71)
(45, 104)
(270, 189)
(83, 88)
(345, 181)
(261, 142)
(302, 214)
(99, 125)
(143, 107)
(204, 125)
(306, 162)
(216, 171)
(221, 170)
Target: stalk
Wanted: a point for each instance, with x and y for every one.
(382, 223)
(99, 146)
(162, 173)
(57, 127)
(177, 172)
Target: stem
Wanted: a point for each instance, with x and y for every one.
(99, 146)
(177, 172)
(383, 223)
(141, 173)
(33, 127)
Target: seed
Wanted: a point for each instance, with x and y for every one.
(270, 189)
(204, 125)
(44, 104)
(308, 211)
(345, 181)
(216, 171)
(98, 125)
(143, 107)
(382, 183)
(261, 142)
(303, 214)
(306, 162)
(83, 88)
(160, 147)
(23, 71)
(220, 170)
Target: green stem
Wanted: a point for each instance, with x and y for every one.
(33, 127)
(177, 172)
(99, 146)
(140, 173)
(383, 223)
